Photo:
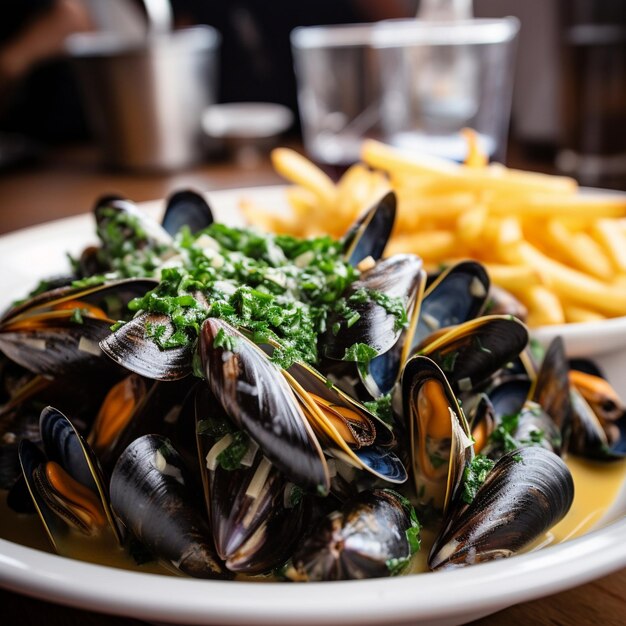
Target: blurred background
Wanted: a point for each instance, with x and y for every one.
(143, 97)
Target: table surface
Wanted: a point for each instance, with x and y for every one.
(67, 183)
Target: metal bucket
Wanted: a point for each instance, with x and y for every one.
(145, 100)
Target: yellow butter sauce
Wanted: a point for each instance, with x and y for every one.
(597, 486)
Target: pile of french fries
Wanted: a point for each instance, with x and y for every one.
(561, 252)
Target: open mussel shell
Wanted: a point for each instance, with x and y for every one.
(440, 439)
(346, 429)
(527, 492)
(152, 495)
(134, 407)
(472, 352)
(65, 483)
(366, 538)
(588, 436)
(598, 392)
(257, 398)
(502, 302)
(398, 277)
(186, 208)
(130, 347)
(457, 295)
(368, 236)
(140, 228)
(45, 335)
(395, 277)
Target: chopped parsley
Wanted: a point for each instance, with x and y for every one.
(230, 458)
(278, 288)
(227, 342)
(382, 407)
(474, 475)
(361, 354)
(77, 315)
(395, 566)
(503, 433)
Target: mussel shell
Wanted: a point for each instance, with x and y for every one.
(459, 294)
(272, 544)
(472, 352)
(436, 490)
(359, 541)
(154, 233)
(588, 437)
(552, 388)
(151, 494)
(502, 302)
(186, 208)
(129, 347)
(98, 295)
(527, 492)
(31, 458)
(62, 349)
(368, 236)
(256, 396)
(236, 511)
(397, 277)
(384, 370)
(48, 342)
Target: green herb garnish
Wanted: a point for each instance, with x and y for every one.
(230, 458)
(474, 475)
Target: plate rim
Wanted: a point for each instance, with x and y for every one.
(423, 596)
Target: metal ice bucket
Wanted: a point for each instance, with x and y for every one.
(145, 99)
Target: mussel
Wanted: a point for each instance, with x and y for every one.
(526, 493)
(153, 497)
(372, 535)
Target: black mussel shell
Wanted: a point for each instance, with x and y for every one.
(459, 294)
(368, 236)
(502, 302)
(527, 492)
(152, 495)
(186, 208)
(256, 396)
(552, 388)
(131, 348)
(440, 439)
(472, 352)
(367, 538)
(397, 277)
(152, 233)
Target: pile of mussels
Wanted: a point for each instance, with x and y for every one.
(321, 491)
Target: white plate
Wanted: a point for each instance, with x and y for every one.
(443, 598)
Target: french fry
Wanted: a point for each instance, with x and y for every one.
(298, 169)
(544, 307)
(470, 225)
(476, 157)
(576, 314)
(514, 278)
(433, 246)
(562, 253)
(613, 240)
(494, 177)
(579, 249)
(580, 207)
(571, 284)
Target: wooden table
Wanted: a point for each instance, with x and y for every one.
(68, 184)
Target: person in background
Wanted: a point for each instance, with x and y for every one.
(39, 98)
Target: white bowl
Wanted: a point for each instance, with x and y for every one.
(451, 597)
